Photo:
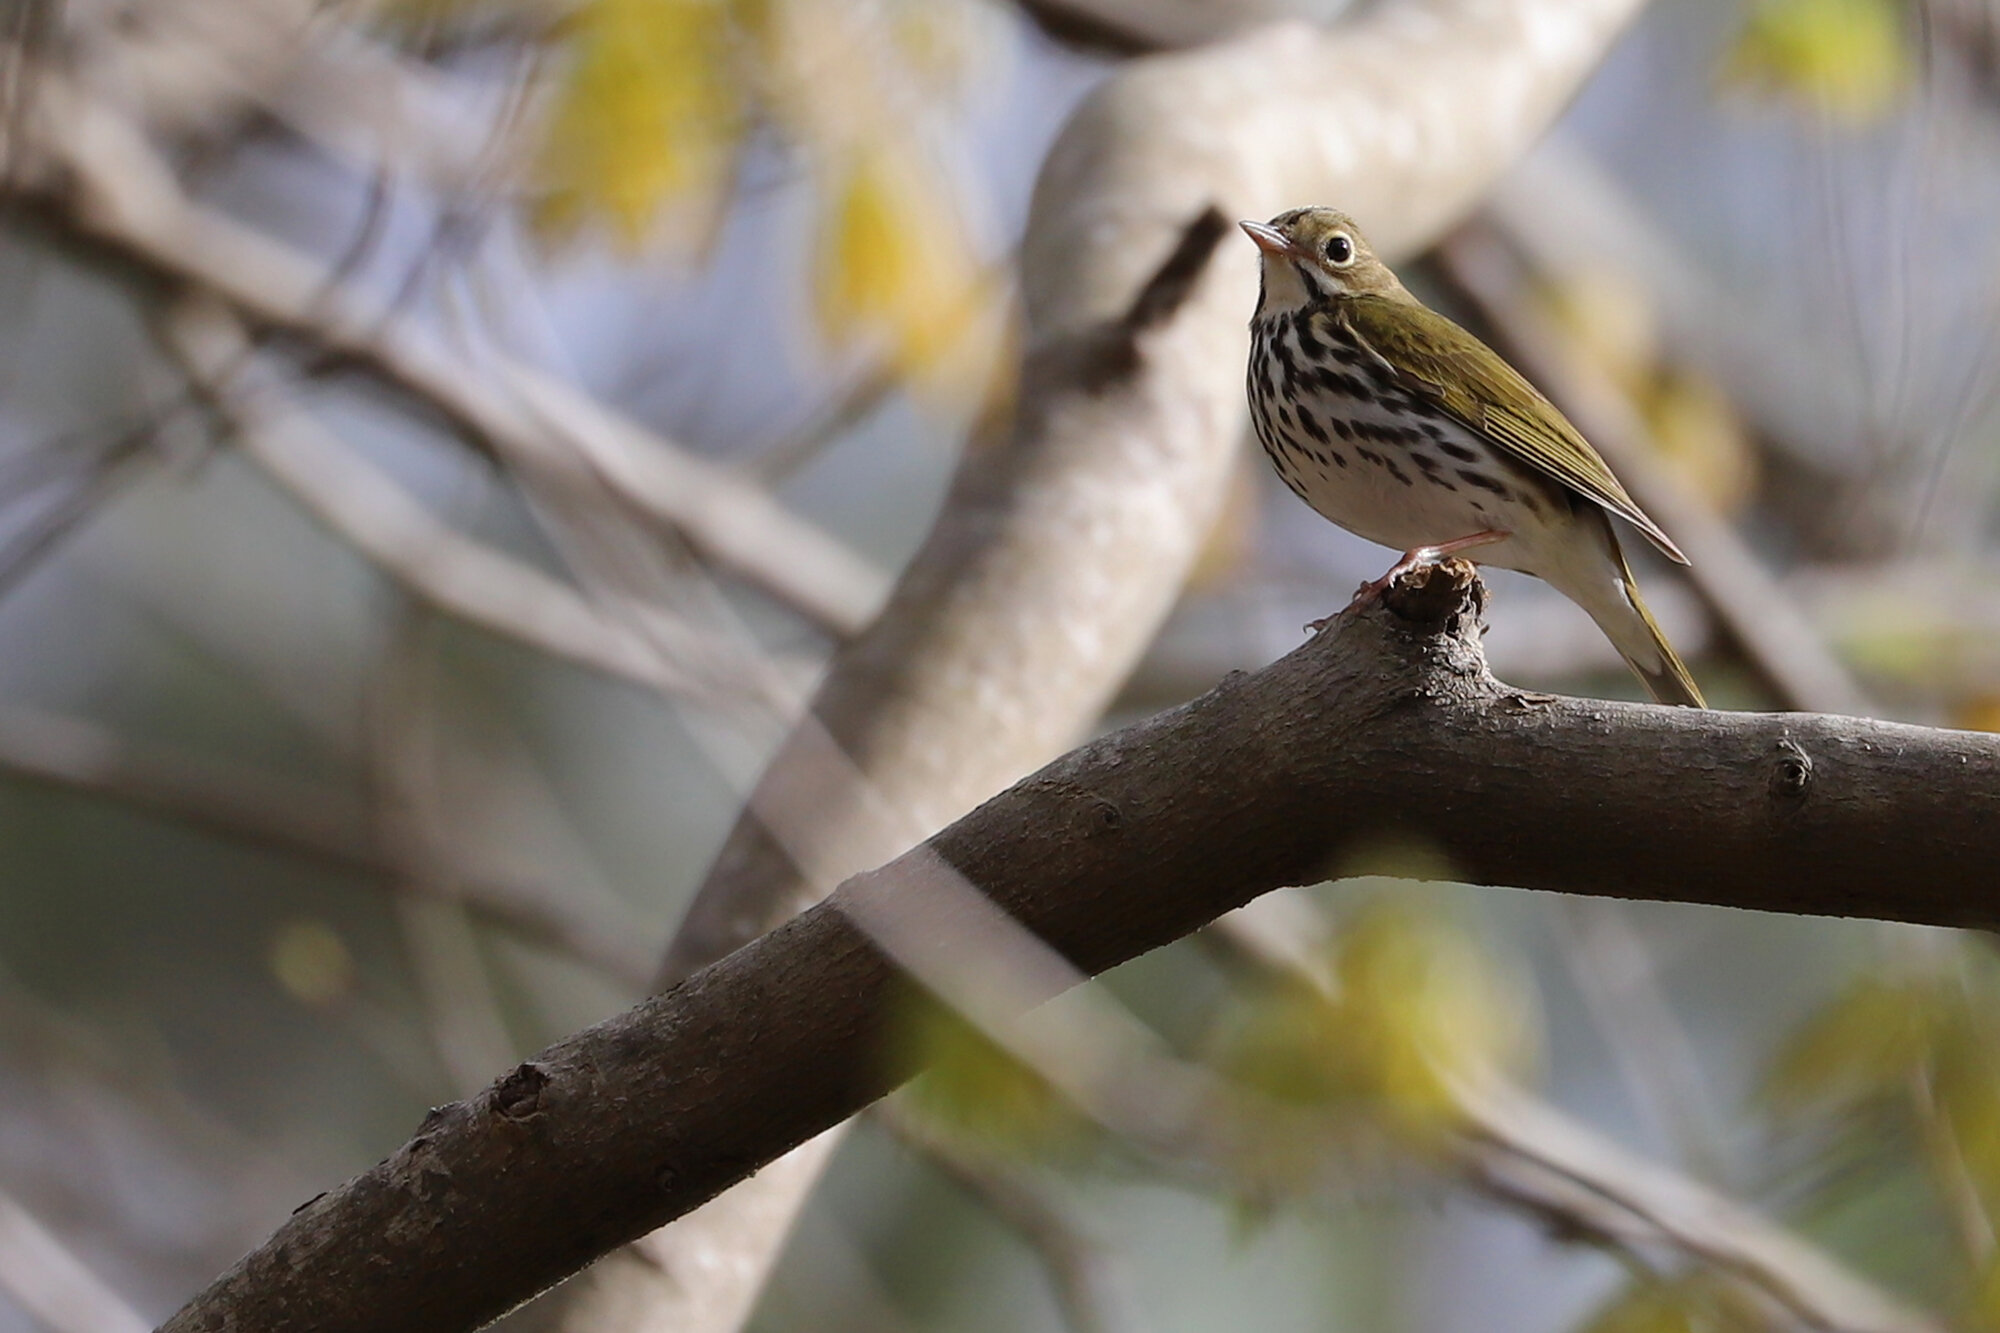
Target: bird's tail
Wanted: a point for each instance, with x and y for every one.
(1640, 641)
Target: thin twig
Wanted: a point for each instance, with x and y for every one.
(1950, 1170)
(1539, 1159)
(1617, 977)
(100, 178)
(260, 810)
(82, 495)
(455, 989)
(52, 1283)
(1087, 1278)
(443, 567)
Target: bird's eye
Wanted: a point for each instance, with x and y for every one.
(1340, 249)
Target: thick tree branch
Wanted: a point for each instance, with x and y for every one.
(1387, 725)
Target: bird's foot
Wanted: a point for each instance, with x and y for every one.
(1415, 558)
(1419, 556)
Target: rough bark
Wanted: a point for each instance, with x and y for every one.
(1386, 726)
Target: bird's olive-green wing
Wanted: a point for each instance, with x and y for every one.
(1440, 361)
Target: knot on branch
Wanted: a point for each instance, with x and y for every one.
(1447, 597)
(1420, 635)
(1792, 775)
(1109, 353)
(519, 1095)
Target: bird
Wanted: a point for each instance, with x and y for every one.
(1400, 426)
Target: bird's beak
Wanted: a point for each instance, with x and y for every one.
(1268, 238)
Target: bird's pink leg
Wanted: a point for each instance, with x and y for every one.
(1428, 555)
(1415, 556)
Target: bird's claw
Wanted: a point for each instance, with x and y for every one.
(1372, 590)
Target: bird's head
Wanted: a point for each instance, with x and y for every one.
(1313, 255)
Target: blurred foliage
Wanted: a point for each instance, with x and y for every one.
(1847, 60)
(1413, 1010)
(976, 1089)
(1904, 1061)
(656, 112)
(1609, 317)
(1979, 713)
(311, 962)
(651, 118)
(1696, 1304)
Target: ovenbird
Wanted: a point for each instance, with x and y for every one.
(1400, 426)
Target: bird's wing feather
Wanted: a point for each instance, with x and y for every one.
(1441, 362)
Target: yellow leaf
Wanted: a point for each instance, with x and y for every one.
(1288, 1045)
(1611, 322)
(1396, 855)
(895, 268)
(1610, 319)
(1984, 1315)
(1964, 1086)
(1645, 1307)
(1846, 58)
(942, 43)
(647, 118)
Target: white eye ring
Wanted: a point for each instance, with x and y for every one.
(1340, 249)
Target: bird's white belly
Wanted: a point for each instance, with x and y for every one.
(1408, 492)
